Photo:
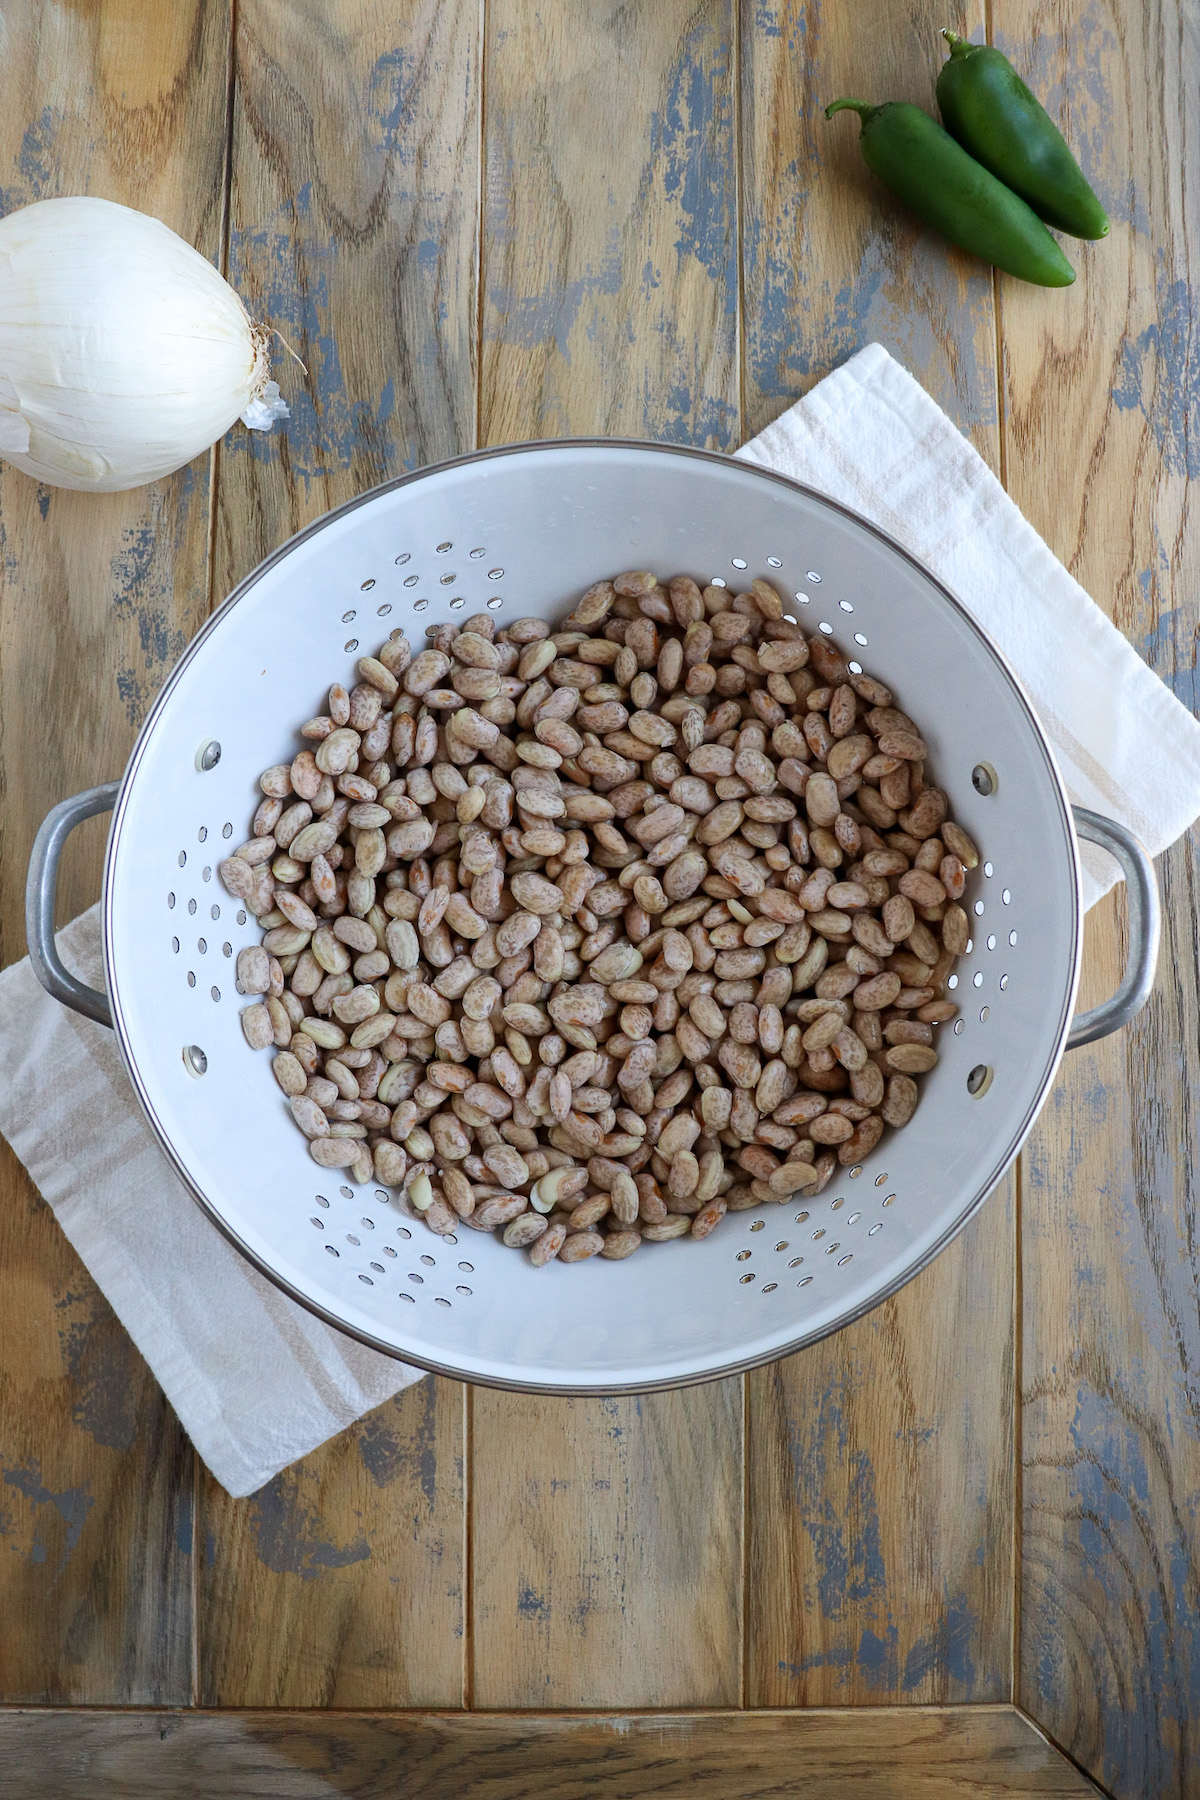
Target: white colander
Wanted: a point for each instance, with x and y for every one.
(523, 531)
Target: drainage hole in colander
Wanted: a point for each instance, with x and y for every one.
(202, 835)
(855, 668)
(835, 1204)
(804, 1281)
(351, 1239)
(429, 1262)
(495, 603)
(175, 945)
(881, 1180)
(182, 858)
(170, 902)
(801, 1217)
(227, 829)
(875, 1228)
(843, 1260)
(988, 870)
(442, 548)
(405, 1296)
(366, 586)
(812, 575)
(860, 639)
(888, 1198)
(411, 580)
(462, 1290)
(983, 1015)
(774, 562)
(832, 1248)
(349, 645)
(1012, 938)
(742, 1255)
(208, 756)
(191, 909)
(386, 1251)
(348, 618)
(319, 1223)
(202, 946)
(226, 949)
(379, 1268)
(977, 978)
(979, 1080)
(403, 1231)
(420, 605)
(983, 778)
(819, 1233)
(321, 1200)
(978, 909)
(241, 915)
(214, 912)
(804, 599)
(856, 1172)
(1006, 896)
(381, 612)
(854, 1218)
(419, 1280)
(194, 1060)
(215, 992)
(795, 1262)
(952, 982)
(739, 562)
(826, 627)
(438, 1301)
(781, 1246)
(458, 601)
(366, 1279)
(758, 1224)
(467, 1268)
(476, 554)
(743, 1279)
(718, 581)
(401, 560)
(191, 978)
(958, 1027)
(493, 575)
(347, 1193)
(331, 1250)
(770, 1288)
(367, 1224)
(845, 606)
(1003, 983)
(991, 943)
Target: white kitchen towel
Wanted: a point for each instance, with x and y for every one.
(871, 437)
(256, 1380)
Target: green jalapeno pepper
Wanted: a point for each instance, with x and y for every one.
(988, 108)
(920, 162)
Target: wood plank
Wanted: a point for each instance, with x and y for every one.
(353, 229)
(607, 1549)
(880, 1463)
(832, 261)
(610, 277)
(1101, 397)
(98, 594)
(912, 1753)
(341, 1580)
(609, 306)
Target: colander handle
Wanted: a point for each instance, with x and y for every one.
(40, 888)
(1145, 923)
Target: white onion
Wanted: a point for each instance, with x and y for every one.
(123, 353)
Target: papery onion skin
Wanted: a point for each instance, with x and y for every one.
(123, 352)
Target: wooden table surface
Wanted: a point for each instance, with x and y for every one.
(484, 220)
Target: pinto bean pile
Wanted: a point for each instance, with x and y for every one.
(592, 935)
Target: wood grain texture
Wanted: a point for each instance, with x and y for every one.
(880, 1515)
(966, 1753)
(606, 1535)
(610, 273)
(832, 261)
(98, 594)
(354, 205)
(607, 1549)
(353, 233)
(880, 1509)
(340, 1583)
(1103, 410)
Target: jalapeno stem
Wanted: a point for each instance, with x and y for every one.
(866, 113)
(958, 45)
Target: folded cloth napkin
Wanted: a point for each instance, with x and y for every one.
(256, 1380)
